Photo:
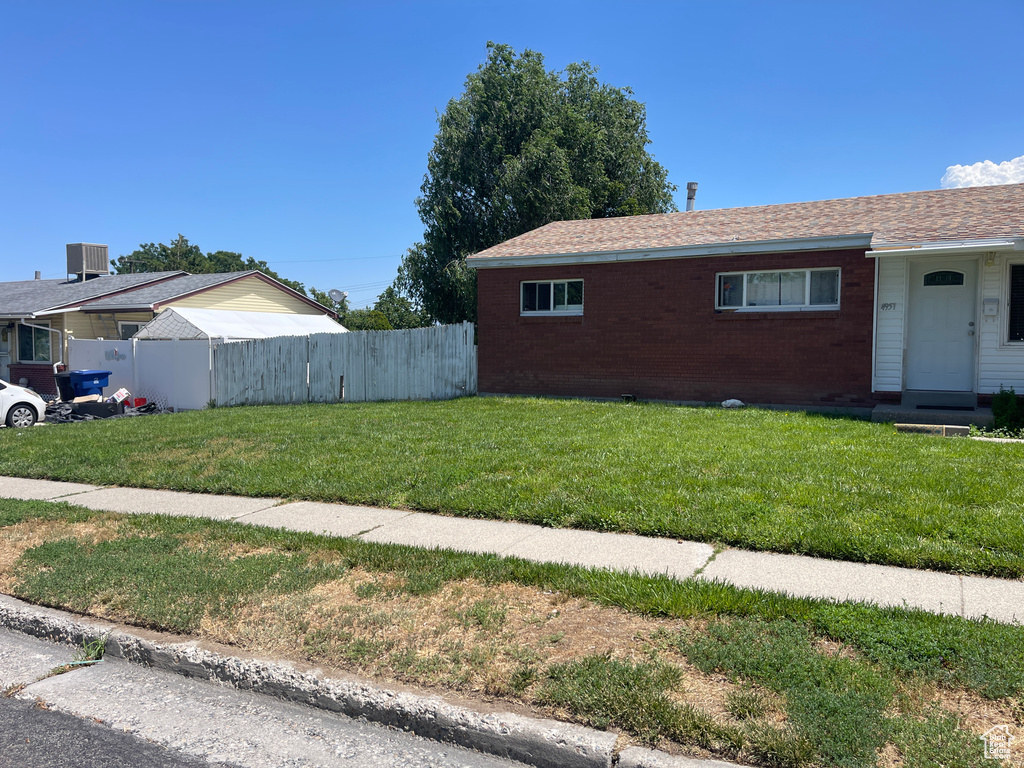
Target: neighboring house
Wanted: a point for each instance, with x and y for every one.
(231, 325)
(916, 297)
(37, 316)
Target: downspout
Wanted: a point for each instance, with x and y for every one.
(60, 341)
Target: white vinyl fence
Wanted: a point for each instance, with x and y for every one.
(420, 364)
(173, 373)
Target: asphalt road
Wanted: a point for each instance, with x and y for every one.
(33, 737)
(140, 714)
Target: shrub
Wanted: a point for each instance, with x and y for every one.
(1007, 412)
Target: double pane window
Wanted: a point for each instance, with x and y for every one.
(792, 288)
(565, 296)
(33, 345)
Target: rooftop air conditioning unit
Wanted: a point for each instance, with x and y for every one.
(88, 260)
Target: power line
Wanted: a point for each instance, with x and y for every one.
(340, 258)
(364, 286)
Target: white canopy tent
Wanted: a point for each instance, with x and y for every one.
(230, 325)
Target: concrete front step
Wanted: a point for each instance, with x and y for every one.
(942, 430)
(904, 415)
(918, 398)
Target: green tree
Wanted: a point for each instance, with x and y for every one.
(321, 297)
(400, 310)
(357, 319)
(521, 147)
(183, 255)
(366, 320)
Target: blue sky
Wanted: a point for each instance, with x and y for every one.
(298, 132)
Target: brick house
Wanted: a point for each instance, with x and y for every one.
(915, 297)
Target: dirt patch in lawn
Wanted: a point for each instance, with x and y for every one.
(489, 643)
(468, 636)
(16, 539)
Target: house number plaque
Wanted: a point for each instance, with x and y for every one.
(888, 306)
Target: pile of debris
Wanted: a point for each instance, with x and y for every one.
(81, 399)
(59, 412)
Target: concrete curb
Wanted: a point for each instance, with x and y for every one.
(638, 757)
(538, 742)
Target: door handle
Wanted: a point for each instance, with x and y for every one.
(970, 333)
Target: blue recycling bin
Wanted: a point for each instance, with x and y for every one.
(89, 382)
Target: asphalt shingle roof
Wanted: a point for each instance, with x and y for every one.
(154, 294)
(26, 297)
(910, 217)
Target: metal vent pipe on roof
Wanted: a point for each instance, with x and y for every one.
(39, 275)
(691, 194)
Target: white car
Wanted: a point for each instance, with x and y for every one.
(20, 406)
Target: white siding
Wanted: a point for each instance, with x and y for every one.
(999, 363)
(891, 309)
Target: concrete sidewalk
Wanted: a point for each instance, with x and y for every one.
(967, 596)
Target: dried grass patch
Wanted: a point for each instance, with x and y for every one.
(483, 641)
(468, 637)
(16, 539)
(978, 714)
(889, 757)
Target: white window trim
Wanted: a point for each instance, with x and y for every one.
(17, 351)
(121, 323)
(806, 307)
(575, 312)
(1005, 342)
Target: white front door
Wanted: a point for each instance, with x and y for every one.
(941, 327)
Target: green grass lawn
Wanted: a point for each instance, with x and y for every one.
(806, 683)
(788, 482)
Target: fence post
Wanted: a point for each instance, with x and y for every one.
(135, 370)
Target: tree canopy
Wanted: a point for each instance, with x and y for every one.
(391, 312)
(521, 147)
(183, 255)
(400, 311)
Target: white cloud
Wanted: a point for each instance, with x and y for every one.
(984, 174)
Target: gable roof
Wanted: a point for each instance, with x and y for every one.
(120, 293)
(947, 215)
(24, 298)
(150, 296)
(155, 296)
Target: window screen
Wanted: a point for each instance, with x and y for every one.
(825, 287)
(775, 289)
(730, 290)
(793, 288)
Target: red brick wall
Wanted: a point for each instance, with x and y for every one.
(650, 329)
(40, 377)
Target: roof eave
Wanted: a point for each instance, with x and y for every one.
(947, 248)
(77, 304)
(162, 304)
(108, 309)
(831, 243)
